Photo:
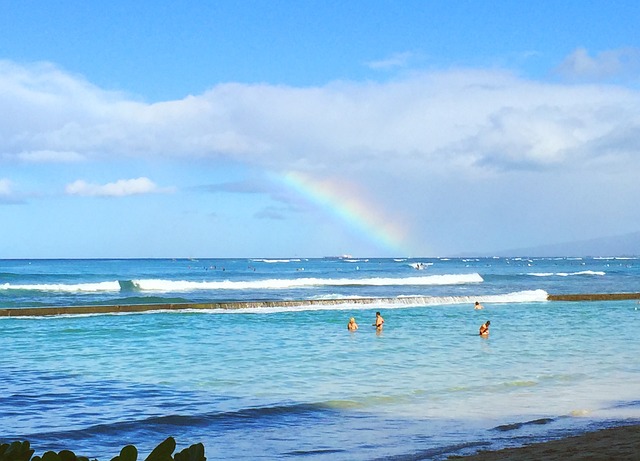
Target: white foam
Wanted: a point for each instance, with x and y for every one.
(61, 287)
(165, 285)
(278, 284)
(401, 302)
(330, 303)
(420, 266)
(525, 296)
(273, 261)
(565, 274)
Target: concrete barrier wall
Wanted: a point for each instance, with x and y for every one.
(595, 297)
(115, 309)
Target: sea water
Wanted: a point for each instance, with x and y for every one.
(289, 381)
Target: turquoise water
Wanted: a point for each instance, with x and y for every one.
(293, 383)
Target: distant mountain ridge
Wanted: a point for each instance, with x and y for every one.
(621, 245)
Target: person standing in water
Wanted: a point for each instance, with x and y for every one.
(484, 329)
(379, 322)
(352, 325)
(478, 306)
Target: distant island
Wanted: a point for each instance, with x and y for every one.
(621, 245)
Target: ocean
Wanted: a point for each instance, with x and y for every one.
(252, 357)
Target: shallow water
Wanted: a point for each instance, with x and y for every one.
(293, 383)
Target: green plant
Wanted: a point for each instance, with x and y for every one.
(16, 451)
(163, 451)
(194, 453)
(64, 455)
(128, 453)
(22, 451)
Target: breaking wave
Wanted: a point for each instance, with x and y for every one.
(565, 274)
(279, 284)
(64, 287)
(273, 261)
(399, 302)
(165, 285)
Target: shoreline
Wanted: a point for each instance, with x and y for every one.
(620, 443)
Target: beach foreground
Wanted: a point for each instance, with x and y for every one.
(619, 443)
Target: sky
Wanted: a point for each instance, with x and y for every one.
(318, 128)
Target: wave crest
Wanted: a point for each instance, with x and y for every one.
(63, 287)
(565, 274)
(279, 284)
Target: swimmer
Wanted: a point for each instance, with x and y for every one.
(352, 325)
(484, 329)
(478, 306)
(379, 322)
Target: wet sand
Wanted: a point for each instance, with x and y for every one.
(615, 444)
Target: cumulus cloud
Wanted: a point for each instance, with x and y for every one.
(466, 119)
(607, 64)
(5, 188)
(437, 148)
(120, 188)
(394, 61)
(8, 196)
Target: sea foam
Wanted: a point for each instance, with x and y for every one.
(62, 287)
(308, 282)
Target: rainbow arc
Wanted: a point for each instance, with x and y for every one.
(351, 208)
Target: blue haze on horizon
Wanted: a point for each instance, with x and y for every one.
(168, 129)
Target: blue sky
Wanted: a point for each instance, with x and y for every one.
(314, 128)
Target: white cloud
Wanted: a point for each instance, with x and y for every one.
(120, 188)
(604, 65)
(8, 196)
(436, 148)
(5, 188)
(394, 61)
(437, 120)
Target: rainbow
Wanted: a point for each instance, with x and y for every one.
(349, 207)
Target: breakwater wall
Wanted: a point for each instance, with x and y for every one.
(116, 309)
(595, 297)
(234, 305)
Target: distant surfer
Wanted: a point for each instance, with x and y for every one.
(478, 306)
(352, 325)
(379, 322)
(484, 329)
